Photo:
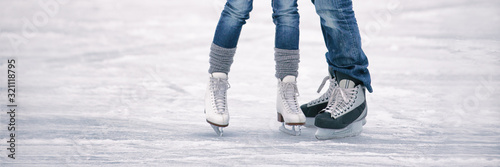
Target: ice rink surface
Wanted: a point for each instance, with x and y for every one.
(121, 83)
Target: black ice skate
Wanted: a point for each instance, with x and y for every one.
(345, 113)
(312, 108)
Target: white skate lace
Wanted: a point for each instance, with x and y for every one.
(289, 93)
(341, 101)
(219, 88)
(327, 94)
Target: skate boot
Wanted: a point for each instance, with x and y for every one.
(288, 109)
(312, 108)
(216, 111)
(345, 113)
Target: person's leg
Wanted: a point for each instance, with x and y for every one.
(342, 38)
(227, 33)
(345, 112)
(286, 18)
(233, 17)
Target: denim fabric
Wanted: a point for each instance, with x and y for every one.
(342, 38)
(286, 18)
(236, 12)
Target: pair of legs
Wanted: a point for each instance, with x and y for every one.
(236, 12)
(234, 16)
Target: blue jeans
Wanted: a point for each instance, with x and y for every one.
(342, 38)
(236, 12)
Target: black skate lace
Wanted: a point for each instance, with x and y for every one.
(327, 94)
(290, 92)
(341, 101)
(219, 88)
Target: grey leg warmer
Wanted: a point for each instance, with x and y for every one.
(287, 62)
(220, 59)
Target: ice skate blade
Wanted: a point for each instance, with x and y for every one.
(295, 131)
(218, 130)
(310, 122)
(353, 129)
